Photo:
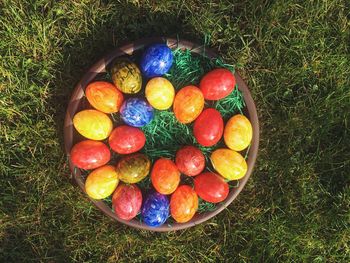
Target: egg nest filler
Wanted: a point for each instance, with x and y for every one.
(161, 134)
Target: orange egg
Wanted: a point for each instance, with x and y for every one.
(104, 96)
(101, 182)
(188, 104)
(93, 124)
(165, 176)
(183, 204)
(238, 133)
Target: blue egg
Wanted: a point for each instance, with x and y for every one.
(155, 209)
(156, 60)
(136, 112)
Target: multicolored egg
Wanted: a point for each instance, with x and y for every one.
(127, 201)
(160, 93)
(208, 127)
(136, 112)
(156, 60)
(155, 209)
(188, 104)
(229, 164)
(101, 182)
(211, 187)
(104, 96)
(93, 124)
(217, 84)
(165, 176)
(90, 154)
(238, 133)
(126, 76)
(190, 160)
(125, 139)
(183, 204)
(133, 168)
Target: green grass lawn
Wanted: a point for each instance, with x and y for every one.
(295, 57)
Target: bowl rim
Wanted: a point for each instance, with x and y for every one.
(100, 67)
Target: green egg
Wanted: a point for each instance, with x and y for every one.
(133, 168)
(126, 76)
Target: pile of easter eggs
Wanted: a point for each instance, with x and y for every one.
(169, 195)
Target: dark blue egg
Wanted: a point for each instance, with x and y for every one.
(136, 112)
(155, 209)
(156, 60)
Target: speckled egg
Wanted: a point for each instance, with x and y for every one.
(190, 160)
(160, 93)
(133, 168)
(155, 209)
(136, 112)
(183, 204)
(127, 201)
(238, 133)
(165, 176)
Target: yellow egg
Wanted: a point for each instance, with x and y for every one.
(101, 182)
(230, 164)
(160, 93)
(238, 133)
(93, 124)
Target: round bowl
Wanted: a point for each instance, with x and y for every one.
(77, 103)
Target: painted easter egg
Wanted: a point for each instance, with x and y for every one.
(93, 124)
(127, 201)
(160, 93)
(190, 160)
(183, 204)
(238, 133)
(126, 76)
(211, 187)
(208, 127)
(125, 139)
(133, 168)
(188, 104)
(165, 176)
(229, 164)
(217, 84)
(155, 209)
(156, 60)
(90, 154)
(104, 96)
(101, 182)
(136, 112)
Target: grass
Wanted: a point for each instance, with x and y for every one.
(294, 56)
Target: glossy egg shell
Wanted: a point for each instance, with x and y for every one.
(104, 96)
(101, 182)
(136, 112)
(217, 84)
(90, 154)
(211, 187)
(93, 124)
(155, 209)
(165, 176)
(125, 139)
(208, 127)
(133, 168)
(183, 204)
(238, 133)
(156, 60)
(190, 160)
(160, 93)
(126, 76)
(127, 201)
(188, 104)
(229, 164)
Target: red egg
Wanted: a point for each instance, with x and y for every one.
(90, 154)
(217, 84)
(127, 201)
(165, 176)
(211, 187)
(183, 204)
(125, 139)
(190, 160)
(208, 127)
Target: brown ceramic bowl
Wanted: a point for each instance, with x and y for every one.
(77, 102)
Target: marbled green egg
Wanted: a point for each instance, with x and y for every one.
(133, 168)
(126, 76)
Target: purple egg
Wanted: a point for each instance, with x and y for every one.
(155, 209)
